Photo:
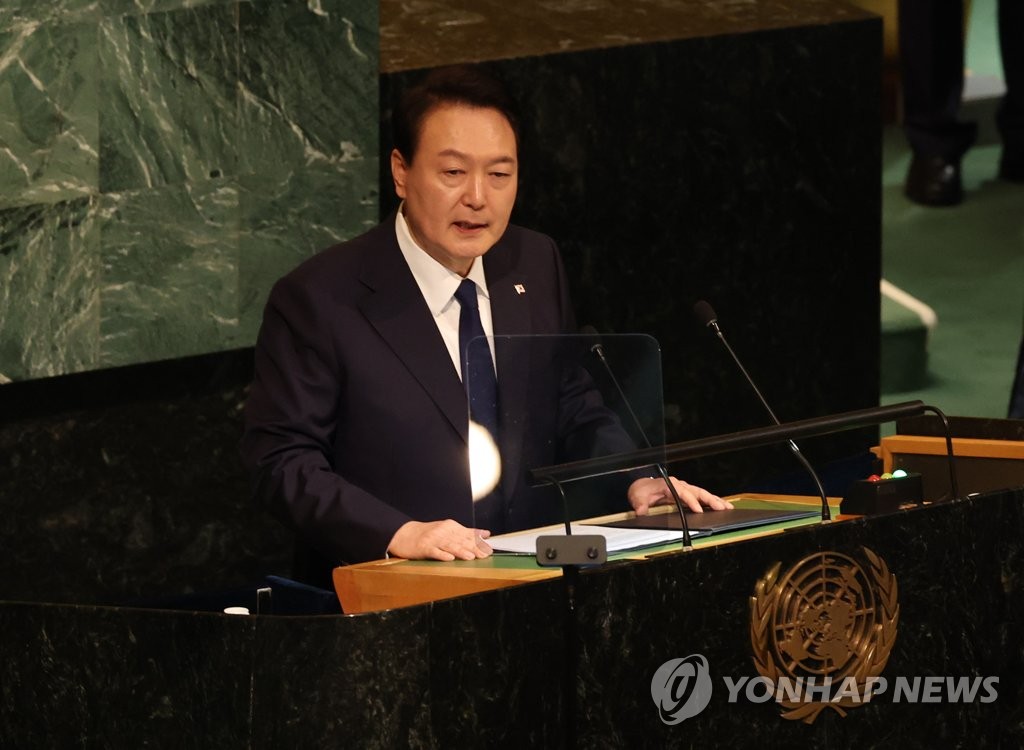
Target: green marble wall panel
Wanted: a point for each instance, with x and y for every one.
(15, 12)
(49, 301)
(169, 272)
(167, 93)
(22, 12)
(282, 220)
(163, 162)
(49, 124)
(306, 74)
(139, 7)
(301, 82)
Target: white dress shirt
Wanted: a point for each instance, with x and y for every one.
(438, 284)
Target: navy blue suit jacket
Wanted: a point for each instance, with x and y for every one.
(356, 421)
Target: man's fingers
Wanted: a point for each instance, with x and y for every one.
(462, 546)
(694, 497)
(439, 540)
(691, 500)
(697, 498)
(716, 503)
(465, 544)
(483, 549)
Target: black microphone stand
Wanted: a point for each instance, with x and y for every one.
(735, 441)
(706, 315)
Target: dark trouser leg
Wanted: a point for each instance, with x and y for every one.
(1017, 392)
(932, 58)
(1010, 117)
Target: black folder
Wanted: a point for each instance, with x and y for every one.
(714, 521)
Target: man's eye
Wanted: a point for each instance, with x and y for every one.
(500, 174)
(453, 172)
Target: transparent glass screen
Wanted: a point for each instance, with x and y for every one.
(559, 399)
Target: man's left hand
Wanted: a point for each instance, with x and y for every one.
(644, 493)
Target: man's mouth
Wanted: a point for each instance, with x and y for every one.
(469, 226)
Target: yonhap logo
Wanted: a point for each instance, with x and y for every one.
(681, 688)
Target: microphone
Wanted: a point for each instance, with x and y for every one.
(706, 315)
(597, 350)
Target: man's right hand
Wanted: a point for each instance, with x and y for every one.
(439, 540)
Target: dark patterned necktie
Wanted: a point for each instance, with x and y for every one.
(477, 366)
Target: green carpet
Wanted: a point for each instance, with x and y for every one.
(966, 262)
(904, 348)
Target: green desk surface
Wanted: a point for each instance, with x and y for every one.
(528, 562)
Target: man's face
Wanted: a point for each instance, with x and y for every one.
(461, 185)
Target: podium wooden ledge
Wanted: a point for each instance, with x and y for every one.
(894, 445)
(389, 584)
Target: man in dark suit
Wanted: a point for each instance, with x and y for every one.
(357, 423)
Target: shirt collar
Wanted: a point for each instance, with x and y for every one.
(437, 283)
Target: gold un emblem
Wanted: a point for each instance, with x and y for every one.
(829, 619)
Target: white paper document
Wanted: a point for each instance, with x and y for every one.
(525, 542)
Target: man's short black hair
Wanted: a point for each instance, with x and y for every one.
(469, 85)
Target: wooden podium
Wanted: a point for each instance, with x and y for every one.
(387, 584)
(983, 464)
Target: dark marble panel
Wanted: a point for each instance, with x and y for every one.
(317, 681)
(50, 127)
(167, 101)
(731, 168)
(49, 289)
(126, 484)
(102, 678)
(425, 34)
(487, 669)
(498, 669)
(960, 602)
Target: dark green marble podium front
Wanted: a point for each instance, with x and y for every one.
(488, 670)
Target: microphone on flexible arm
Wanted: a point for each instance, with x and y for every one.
(598, 350)
(706, 315)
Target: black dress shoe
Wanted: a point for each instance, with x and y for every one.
(934, 181)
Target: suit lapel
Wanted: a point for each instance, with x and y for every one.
(400, 315)
(510, 313)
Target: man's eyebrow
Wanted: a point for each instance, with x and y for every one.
(504, 159)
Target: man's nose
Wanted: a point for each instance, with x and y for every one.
(474, 195)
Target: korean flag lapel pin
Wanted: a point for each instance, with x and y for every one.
(520, 289)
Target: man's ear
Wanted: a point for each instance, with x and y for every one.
(398, 172)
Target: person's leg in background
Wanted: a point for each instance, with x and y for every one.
(931, 36)
(1017, 392)
(1010, 117)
